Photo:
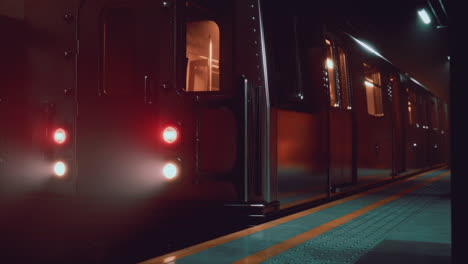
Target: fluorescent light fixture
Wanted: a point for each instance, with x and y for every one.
(424, 16)
(448, 57)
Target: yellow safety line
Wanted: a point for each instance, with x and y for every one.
(167, 258)
(301, 238)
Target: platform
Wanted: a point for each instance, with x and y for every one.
(407, 221)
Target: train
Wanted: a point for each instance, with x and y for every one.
(254, 105)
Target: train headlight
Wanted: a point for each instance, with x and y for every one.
(60, 169)
(170, 170)
(60, 136)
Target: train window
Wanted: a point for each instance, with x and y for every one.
(411, 107)
(202, 53)
(204, 59)
(373, 87)
(423, 111)
(445, 116)
(118, 51)
(330, 75)
(344, 78)
(434, 114)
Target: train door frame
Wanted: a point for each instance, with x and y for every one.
(412, 124)
(340, 115)
(398, 127)
(373, 159)
(253, 173)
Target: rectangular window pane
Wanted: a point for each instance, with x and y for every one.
(344, 78)
(434, 114)
(413, 108)
(118, 51)
(422, 112)
(373, 87)
(330, 74)
(203, 59)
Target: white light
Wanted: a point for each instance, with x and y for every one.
(60, 168)
(369, 48)
(368, 84)
(424, 16)
(170, 171)
(329, 64)
(414, 80)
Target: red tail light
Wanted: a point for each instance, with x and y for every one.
(60, 168)
(60, 136)
(170, 134)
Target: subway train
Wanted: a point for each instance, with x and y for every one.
(258, 106)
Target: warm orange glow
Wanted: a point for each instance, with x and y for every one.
(170, 171)
(60, 136)
(169, 259)
(170, 134)
(329, 64)
(60, 169)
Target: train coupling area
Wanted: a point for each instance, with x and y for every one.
(407, 221)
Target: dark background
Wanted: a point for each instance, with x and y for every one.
(394, 29)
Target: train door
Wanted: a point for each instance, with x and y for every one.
(223, 102)
(340, 116)
(118, 67)
(434, 128)
(424, 132)
(412, 126)
(209, 99)
(374, 123)
(398, 125)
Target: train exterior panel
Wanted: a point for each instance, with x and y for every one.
(255, 105)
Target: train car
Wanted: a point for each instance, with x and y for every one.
(253, 105)
(346, 116)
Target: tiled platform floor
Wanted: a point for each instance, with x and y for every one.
(404, 222)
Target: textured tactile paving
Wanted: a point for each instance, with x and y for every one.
(348, 242)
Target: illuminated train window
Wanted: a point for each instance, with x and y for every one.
(412, 110)
(337, 76)
(344, 85)
(202, 53)
(373, 87)
(331, 75)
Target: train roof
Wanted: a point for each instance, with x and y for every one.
(367, 48)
